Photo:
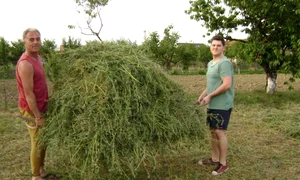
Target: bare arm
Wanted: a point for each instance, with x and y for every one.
(202, 96)
(25, 70)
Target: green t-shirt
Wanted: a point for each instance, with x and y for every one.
(214, 76)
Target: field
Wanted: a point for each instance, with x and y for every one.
(263, 134)
(243, 83)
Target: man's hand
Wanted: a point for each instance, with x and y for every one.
(200, 99)
(205, 100)
(40, 122)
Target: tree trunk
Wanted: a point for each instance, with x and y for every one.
(168, 65)
(271, 78)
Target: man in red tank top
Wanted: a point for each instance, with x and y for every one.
(33, 96)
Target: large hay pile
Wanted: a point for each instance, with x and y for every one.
(112, 108)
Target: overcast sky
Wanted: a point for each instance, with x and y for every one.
(122, 19)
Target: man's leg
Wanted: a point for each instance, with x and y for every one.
(43, 173)
(222, 145)
(215, 155)
(220, 120)
(37, 154)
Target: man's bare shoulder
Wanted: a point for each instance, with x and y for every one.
(25, 65)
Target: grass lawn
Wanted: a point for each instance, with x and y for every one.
(263, 134)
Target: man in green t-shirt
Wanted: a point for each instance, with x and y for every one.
(218, 96)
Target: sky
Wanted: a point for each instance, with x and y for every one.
(122, 19)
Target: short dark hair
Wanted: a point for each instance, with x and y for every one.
(218, 37)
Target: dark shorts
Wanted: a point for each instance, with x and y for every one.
(218, 119)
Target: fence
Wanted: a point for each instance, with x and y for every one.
(8, 94)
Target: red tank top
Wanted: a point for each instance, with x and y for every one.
(40, 89)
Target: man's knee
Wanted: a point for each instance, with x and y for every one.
(220, 133)
(212, 131)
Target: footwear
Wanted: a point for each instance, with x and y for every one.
(207, 162)
(220, 169)
(37, 178)
(45, 176)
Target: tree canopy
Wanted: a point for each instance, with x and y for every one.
(186, 54)
(163, 50)
(204, 55)
(272, 28)
(71, 43)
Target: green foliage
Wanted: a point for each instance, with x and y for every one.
(4, 51)
(112, 109)
(48, 47)
(163, 50)
(91, 4)
(17, 48)
(236, 50)
(4, 57)
(71, 43)
(186, 54)
(204, 54)
(272, 26)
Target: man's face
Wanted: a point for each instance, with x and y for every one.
(32, 42)
(217, 48)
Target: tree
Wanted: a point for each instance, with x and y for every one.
(163, 50)
(71, 43)
(48, 47)
(186, 54)
(4, 52)
(272, 26)
(4, 55)
(236, 52)
(204, 55)
(16, 50)
(92, 9)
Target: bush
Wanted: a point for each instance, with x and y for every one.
(112, 109)
(7, 72)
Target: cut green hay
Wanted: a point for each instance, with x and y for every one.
(289, 123)
(112, 110)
